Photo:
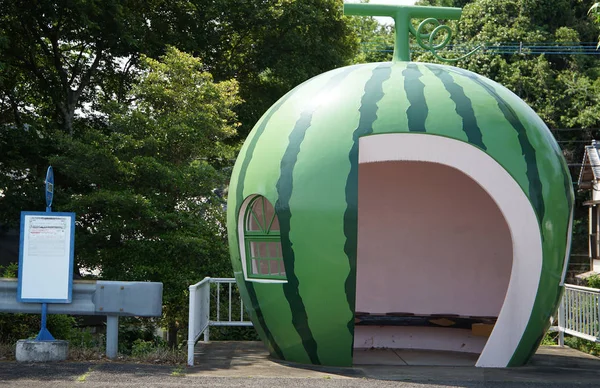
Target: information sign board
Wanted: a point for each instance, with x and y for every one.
(46, 257)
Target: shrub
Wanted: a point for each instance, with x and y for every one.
(141, 348)
(134, 330)
(593, 281)
(583, 345)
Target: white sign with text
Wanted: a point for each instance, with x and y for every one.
(46, 257)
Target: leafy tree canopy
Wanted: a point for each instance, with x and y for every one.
(140, 106)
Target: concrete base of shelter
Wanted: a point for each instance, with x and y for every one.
(41, 351)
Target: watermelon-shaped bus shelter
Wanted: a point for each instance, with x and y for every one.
(400, 205)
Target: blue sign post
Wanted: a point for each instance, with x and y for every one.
(49, 188)
(44, 334)
(46, 253)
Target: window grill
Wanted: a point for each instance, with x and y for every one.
(264, 259)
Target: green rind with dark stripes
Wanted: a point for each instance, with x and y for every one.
(254, 163)
(433, 99)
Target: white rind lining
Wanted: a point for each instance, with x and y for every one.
(242, 246)
(515, 207)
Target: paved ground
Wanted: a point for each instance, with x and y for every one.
(236, 364)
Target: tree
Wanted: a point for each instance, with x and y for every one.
(139, 131)
(143, 188)
(594, 11)
(61, 49)
(55, 58)
(376, 41)
(271, 46)
(59, 59)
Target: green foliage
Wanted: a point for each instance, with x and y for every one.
(550, 339)
(594, 11)
(232, 333)
(83, 338)
(61, 326)
(141, 348)
(14, 327)
(10, 271)
(135, 332)
(376, 40)
(273, 45)
(583, 345)
(563, 90)
(142, 133)
(144, 188)
(593, 281)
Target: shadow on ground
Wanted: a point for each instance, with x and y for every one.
(550, 365)
(246, 364)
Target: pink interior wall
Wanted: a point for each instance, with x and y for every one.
(430, 241)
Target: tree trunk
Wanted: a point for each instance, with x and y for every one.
(172, 334)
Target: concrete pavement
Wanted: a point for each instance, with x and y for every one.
(245, 364)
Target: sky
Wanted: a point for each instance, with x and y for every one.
(385, 20)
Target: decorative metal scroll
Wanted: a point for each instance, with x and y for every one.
(403, 14)
(427, 40)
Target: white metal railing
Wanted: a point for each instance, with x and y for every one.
(224, 293)
(579, 313)
(199, 313)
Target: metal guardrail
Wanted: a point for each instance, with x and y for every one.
(110, 298)
(200, 316)
(579, 313)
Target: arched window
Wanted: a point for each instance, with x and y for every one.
(262, 241)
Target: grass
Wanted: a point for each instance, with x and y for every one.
(160, 355)
(7, 352)
(77, 353)
(84, 376)
(551, 338)
(580, 344)
(176, 357)
(178, 371)
(583, 345)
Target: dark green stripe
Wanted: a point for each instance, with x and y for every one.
(368, 114)
(415, 91)
(240, 200)
(285, 186)
(567, 183)
(533, 174)
(464, 108)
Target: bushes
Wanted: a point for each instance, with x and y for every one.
(583, 345)
(138, 334)
(594, 281)
(590, 347)
(14, 327)
(233, 333)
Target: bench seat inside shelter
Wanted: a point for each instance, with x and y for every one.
(454, 321)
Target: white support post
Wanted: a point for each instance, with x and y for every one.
(112, 336)
(190, 360)
(207, 308)
(561, 320)
(191, 324)
(597, 320)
